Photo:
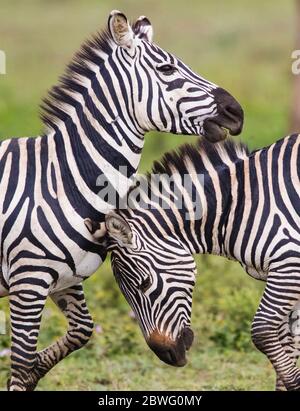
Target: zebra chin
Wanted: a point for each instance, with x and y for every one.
(169, 351)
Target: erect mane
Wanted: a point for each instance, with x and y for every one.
(218, 154)
(52, 108)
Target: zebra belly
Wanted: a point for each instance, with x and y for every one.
(254, 273)
(69, 262)
(84, 269)
(86, 263)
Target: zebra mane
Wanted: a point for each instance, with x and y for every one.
(218, 154)
(52, 107)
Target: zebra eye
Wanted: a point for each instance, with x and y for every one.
(146, 283)
(167, 69)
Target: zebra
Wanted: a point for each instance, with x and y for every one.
(250, 212)
(119, 86)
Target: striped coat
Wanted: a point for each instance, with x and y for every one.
(118, 87)
(240, 205)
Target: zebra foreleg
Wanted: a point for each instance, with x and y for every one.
(273, 309)
(27, 299)
(72, 304)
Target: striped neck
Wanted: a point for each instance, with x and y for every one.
(92, 126)
(202, 225)
(205, 198)
(88, 156)
(89, 147)
(94, 134)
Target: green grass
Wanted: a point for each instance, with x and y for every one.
(245, 49)
(117, 358)
(222, 356)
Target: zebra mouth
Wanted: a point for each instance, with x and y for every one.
(229, 118)
(219, 128)
(170, 352)
(213, 132)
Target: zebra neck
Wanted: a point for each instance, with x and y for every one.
(224, 207)
(91, 155)
(203, 224)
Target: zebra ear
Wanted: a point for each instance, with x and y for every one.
(118, 229)
(143, 29)
(98, 230)
(121, 30)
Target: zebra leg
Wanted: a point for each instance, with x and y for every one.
(27, 297)
(289, 343)
(279, 386)
(72, 303)
(275, 305)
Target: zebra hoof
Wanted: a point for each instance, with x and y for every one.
(20, 387)
(294, 385)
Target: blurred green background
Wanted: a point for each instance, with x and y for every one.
(243, 46)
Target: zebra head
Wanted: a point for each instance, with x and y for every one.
(157, 279)
(166, 95)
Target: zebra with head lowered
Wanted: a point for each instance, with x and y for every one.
(118, 87)
(242, 206)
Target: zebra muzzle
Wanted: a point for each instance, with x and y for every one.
(230, 117)
(169, 351)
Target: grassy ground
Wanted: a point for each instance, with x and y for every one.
(244, 48)
(117, 358)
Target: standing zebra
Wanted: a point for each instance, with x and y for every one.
(118, 87)
(250, 212)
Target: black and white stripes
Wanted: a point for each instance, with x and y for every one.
(118, 87)
(250, 213)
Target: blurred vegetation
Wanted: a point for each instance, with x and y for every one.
(243, 46)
